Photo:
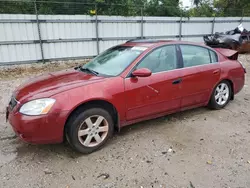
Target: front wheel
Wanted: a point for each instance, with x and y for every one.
(221, 95)
(89, 130)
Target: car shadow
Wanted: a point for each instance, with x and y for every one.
(41, 152)
(63, 150)
(162, 121)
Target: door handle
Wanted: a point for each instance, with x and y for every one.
(216, 71)
(177, 81)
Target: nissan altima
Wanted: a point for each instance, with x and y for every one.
(128, 83)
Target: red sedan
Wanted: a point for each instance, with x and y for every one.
(132, 82)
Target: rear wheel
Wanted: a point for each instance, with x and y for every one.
(89, 130)
(221, 95)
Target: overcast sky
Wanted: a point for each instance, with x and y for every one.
(186, 3)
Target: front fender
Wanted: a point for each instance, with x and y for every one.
(111, 90)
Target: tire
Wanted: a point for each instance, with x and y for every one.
(221, 97)
(88, 130)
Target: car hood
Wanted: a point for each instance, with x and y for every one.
(53, 83)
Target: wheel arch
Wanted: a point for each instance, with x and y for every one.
(101, 103)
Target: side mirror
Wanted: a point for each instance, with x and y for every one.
(143, 72)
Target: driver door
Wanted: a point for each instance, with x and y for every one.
(159, 92)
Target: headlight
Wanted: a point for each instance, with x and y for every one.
(37, 107)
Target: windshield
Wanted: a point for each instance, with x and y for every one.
(115, 60)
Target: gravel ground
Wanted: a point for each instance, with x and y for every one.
(209, 149)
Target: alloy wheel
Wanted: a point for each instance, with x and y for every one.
(221, 94)
(93, 131)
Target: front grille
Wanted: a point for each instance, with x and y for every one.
(12, 103)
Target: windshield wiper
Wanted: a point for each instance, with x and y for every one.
(89, 70)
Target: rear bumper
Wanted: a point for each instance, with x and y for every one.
(239, 84)
(44, 129)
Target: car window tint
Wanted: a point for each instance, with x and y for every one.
(214, 57)
(194, 55)
(161, 59)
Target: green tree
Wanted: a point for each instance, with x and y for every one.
(232, 7)
(104, 7)
(163, 8)
(16, 7)
(203, 10)
(197, 2)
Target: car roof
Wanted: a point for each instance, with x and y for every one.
(147, 41)
(154, 42)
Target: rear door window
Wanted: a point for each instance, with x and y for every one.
(195, 55)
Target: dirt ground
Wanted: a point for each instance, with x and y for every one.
(209, 149)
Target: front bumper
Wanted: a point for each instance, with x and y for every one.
(43, 129)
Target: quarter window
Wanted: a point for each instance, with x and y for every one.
(214, 57)
(194, 55)
(161, 59)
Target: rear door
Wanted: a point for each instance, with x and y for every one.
(200, 73)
